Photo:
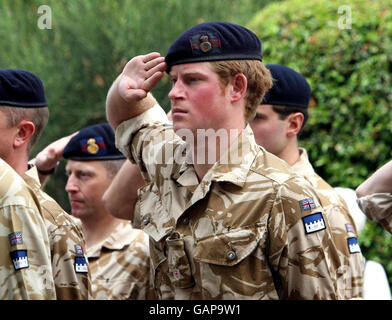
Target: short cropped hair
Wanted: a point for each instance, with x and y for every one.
(284, 112)
(259, 80)
(112, 166)
(38, 116)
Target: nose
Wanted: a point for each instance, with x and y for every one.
(176, 91)
(71, 186)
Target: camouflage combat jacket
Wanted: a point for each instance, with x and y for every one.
(69, 263)
(378, 207)
(25, 267)
(120, 266)
(342, 226)
(241, 233)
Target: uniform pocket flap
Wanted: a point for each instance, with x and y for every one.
(228, 249)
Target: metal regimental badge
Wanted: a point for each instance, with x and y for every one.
(92, 147)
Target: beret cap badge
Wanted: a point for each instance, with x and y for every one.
(92, 146)
(205, 45)
(96, 142)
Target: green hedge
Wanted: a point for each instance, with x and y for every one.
(348, 135)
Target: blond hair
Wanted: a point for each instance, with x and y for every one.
(258, 76)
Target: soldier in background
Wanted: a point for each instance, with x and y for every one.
(233, 228)
(375, 196)
(117, 253)
(375, 280)
(24, 114)
(278, 123)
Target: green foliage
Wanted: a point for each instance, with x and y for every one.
(348, 135)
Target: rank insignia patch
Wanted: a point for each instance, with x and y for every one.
(15, 238)
(19, 259)
(353, 245)
(314, 222)
(307, 204)
(349, 227)
(79, 249)
(81, 265)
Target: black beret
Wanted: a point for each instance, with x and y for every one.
(21, 88)
(213, 41)
(289, 88)
(93, 143)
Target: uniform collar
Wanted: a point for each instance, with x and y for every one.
(31, 177)
(302, 164)
(233, 166)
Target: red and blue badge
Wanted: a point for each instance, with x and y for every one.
(206, 43)
(94, 146)
(19, 259)
(307, 204)
(15, 238)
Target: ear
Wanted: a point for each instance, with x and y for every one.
(239, 85)
(295, 121)
(25, 129)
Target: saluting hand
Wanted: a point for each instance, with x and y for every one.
(140, 75)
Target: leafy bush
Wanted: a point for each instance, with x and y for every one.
(348, 135)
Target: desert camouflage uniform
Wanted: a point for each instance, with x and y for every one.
(69, 264)
(120, 266)
(378, 207)
(23, 236)
(239, 233)
(342, 226)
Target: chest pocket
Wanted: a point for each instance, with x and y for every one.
(229, 249)
(154, 218)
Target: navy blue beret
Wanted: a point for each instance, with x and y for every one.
(213, 41)
(93, 143)
(21, 88)
(289, 88)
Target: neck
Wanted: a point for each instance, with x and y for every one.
(96, 230)
(291, 153)
(18, 161)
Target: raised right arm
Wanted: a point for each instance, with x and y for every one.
(129, 94)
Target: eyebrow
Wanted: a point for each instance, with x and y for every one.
(188, 72)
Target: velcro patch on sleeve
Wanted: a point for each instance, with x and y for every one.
(19, 259)
(353, 245)
(81, 265)
(314, 222)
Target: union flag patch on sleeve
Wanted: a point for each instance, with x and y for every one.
(307, 204)
(15, 238)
